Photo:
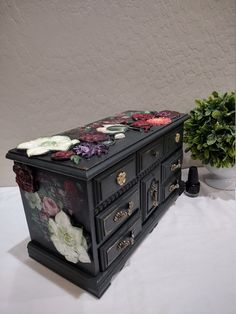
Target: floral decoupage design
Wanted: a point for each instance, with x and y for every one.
(51, 212)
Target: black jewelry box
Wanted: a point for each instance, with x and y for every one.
(86, 219)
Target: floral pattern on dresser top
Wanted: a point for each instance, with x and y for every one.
(52, 214)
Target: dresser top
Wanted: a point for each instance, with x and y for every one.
(135, 138)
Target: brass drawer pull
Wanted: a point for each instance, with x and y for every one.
(121, 178)
(173, 187)
(177, 137)
(124, 213)
(176, 166)
(125, 243)
(154, 193)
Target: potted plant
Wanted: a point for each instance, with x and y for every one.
(209, 134)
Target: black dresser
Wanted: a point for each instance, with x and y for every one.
(85, 219)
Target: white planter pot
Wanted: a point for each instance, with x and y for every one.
(221, 178)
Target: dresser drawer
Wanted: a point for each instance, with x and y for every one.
(173, 140)
(121, 242)
(171, 165)
(115, 215)
(150, 154)
(114, 178)
(171, 185)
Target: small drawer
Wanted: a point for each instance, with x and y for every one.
(173, 140)
(150, 154)
(172, 185)
(116, 214)
(121, 242)
(114, 178)
(172, 165)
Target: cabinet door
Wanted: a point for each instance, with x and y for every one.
(150, 192)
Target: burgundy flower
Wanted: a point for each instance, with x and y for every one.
(50, 208)
(142, 124)
(142, 116)
(25, 178)
(94, 137)
(62, 155)
(168, 114)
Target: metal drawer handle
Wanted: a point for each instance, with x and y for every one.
(121, 178)
(176, 166)
(154, 193)
(124, 213)
(173, 187)
(125, 243)
(177, 137)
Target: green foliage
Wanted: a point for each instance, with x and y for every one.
(209, 133)
(76, 159)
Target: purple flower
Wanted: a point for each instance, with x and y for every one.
(87, 150)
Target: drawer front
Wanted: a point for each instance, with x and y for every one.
(171, 185)
(171, 165)
(121, 242)
(116, 214)
(173, 140)
(150, 192)
(114, 178)
(150, 154)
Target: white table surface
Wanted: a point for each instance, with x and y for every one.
(186, 265)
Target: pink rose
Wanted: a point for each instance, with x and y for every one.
(50, 208)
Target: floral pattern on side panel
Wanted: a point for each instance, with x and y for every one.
(52, 213)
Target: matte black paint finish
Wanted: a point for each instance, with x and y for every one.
(146, 158)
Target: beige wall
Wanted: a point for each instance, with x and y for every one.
(66, 63)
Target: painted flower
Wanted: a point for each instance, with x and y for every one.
(43, 145)
(50, 208)
(33, 200)
(68, 240)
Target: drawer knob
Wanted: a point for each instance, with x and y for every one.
(126, 243)
(155, 153)
(176, 166)
(177, 137)
(173, 187)
(121, 178)
(124, 213)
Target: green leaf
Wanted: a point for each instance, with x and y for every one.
(216, 114)
(215, 94)
(76, 159)
(206, 153)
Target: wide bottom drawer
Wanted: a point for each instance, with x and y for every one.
(121, 241)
